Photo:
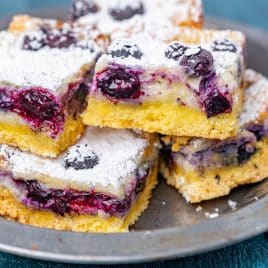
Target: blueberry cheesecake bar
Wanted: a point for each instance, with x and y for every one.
(204, 169)
(189, 87)
(45, 72)
(119, 15)
(100, 184)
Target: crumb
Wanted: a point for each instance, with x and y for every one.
(212, 215)
(163, 203)
(256, 198)
(216, 209)
(199, 208)
(232, 204)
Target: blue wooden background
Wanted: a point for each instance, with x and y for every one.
(249, 254)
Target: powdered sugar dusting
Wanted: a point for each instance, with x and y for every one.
(256, 97)
(125, 3)
(47, 68)
(226, 63)
(173, 12)
(119, 154)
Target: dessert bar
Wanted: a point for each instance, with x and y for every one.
(205, 169)
(189, 87)
(100, 184)
(45, 72)
(111, 16)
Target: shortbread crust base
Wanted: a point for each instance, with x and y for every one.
(10, 208)
(26, 139)
(160, 117)
(196, 186)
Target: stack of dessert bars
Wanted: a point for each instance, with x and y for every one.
(92, 109)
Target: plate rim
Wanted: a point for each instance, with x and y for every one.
(256, 224)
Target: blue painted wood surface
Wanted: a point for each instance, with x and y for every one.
(249, 254)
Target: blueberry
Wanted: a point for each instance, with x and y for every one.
(126, 50)
(244, 154)
(175, 51)
(119, 82)
(5, 99)
(38, 104)
(36, 192)
(197, 64)
(80, 157)
(62, 38)
(212, 100)
(33, 43)
(126, 10)
(258, 130)
(81, 8)
(224, 45)
(74, 100)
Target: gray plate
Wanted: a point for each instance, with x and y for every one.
(170, 227)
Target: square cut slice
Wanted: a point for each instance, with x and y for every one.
(204, 169)
(101, 184)
(45, 73)
(189, 87)
(112, 16)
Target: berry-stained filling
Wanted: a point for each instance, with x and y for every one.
(81, 8)
(119, 82)
(127, 10)
(41, 109)
(210, 97)
(69, 201)
(200, 153)
(124, 51)
(37, 106)
(140, 70)
(5, 100)
(259, 130)
(74, 100)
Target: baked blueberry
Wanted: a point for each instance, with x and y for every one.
(5, 99)
(213, 101)
(258, 130)
(119, 82)
(33, 42)
(197, 62)
(80, 157)
(244, 153)
(224, 45)
(81, 8)
(126, 9)
(38, 104)
(62, 38)
(126, 50)
(175, 51)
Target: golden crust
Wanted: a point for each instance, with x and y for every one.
(26, 139)
(195, 17)
(21, 23)
(152, 117)
(212, 183)
(10, 208)
(196, 36)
